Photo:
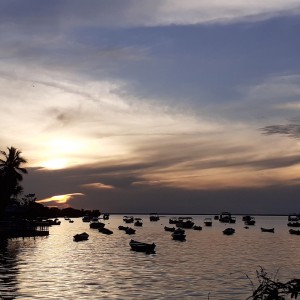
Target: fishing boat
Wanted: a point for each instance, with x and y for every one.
(106, 217)
(121, 227)
(138, 222)
(154, 217)
(195, 227)
(293, 231)
(97, 225)
(130, 230)
(128, 219)
(80, 237)
(142, 247)
(179, 234)
(172, 229)
(229, 231)
(86, 218)
(105, 231)
(185, 222)
(293, 224)
(208, 222)
(71, 221)
(249, 220)
(267, 229)
(226, 217)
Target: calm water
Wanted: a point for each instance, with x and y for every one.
(104, 267)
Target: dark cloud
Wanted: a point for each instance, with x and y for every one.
(290, 130)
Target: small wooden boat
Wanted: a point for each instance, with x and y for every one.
(207, 222)
(128, 219)
(71, 221)
(226, 217)
(229, 231)
(179, 234)
(97, 225)
(138, 222)
(105, 231)
(195, 227)
(172, 229)
(86, 218)
(154, 217)
(173, 220)
(80, 237)
(248, 220)
(293, 224)
(267, 229)
(106, 217)
(130, 230)
(142, 247)
(121, 227)
(185, 222)
(293, 231)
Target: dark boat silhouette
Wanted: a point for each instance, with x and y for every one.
(172, 229)
(267, 229)
(229, 231)
(81, 237)
(142, 247)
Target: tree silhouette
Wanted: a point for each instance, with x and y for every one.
(11, 174)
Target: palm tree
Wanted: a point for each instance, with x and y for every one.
(11, 174)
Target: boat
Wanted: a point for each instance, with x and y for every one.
(173, 220)
(267, 229)
(128, 219)
(294, 217)
(195, 227)
(293, 231)
(179, 234)
(86, 218)
(106, 217)
(138, 222)
(216, 217)
(81, 237)
(248, 220)
(154, 217)
(105, 231)
(229, 231)
(66, 218)
(293, 224)
(121, 227)
(172, 229)
(71, 221)
(54, 222)
(225, 217)
(97, 225)
(130, 230)
(185, 222)
(142, 247)
(207, 222)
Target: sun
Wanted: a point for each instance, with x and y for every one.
(55, 164)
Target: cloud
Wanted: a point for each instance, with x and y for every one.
(69, 14)
(60, 201)
(290, 130)
(98, 185)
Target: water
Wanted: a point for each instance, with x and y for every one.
(208, 264)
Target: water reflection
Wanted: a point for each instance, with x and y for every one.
(104, 267)
(8, 268)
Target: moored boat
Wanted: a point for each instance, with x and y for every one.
(142, 247)
(97, 225)
(195, 227)
(128, 219)
(226, 217)
(138, 222)
(229, 231)
(185, 222)
(130, 230)
(80, 237)
(105, 231)
(154, 217)
(249, 220)
(267, 229)
(179, 234)
(294, 231)
(171, 229)
(293, 224)
(208, 222)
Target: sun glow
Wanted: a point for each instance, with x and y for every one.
(55, 164)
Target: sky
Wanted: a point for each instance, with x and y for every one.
(154, 105)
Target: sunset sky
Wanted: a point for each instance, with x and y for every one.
(154, 105)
